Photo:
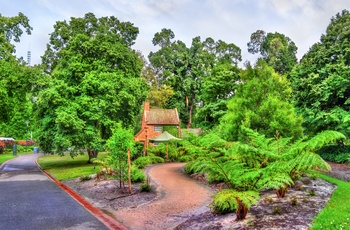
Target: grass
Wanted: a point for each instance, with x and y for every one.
(336, 214)
(6, 156)
(65, 167)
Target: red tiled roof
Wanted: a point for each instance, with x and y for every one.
(162, 117)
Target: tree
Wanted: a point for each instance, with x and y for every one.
(94, 83)
(119, 143)
(278, 50)
(16, 79)
(217, 89)
(184, 68)
(261, 103)
(159, 94)
(321, 82)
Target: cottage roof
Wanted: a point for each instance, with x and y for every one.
(162, 117)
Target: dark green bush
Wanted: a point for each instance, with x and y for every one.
(142, 162)
(145, 188)
(335, 153)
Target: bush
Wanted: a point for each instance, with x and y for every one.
(145, 188)
(137, 175)
(142, 162)
(189, 169)
(185, 158)
(335, 153)
(85, 178)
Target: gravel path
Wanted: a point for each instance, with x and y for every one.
(179, 197)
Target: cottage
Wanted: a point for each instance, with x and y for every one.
(153, 121)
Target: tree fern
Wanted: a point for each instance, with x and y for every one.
(230, 200)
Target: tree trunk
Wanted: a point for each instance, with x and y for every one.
(281, 192)
(190, 110)
(241, 211)
(92, 154)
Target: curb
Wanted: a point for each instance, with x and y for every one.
(101, 216)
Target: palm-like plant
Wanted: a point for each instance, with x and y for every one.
(261, 163)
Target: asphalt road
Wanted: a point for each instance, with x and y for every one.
(30, 200)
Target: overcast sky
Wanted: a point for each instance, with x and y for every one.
(232, 21)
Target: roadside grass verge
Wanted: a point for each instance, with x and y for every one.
(336, 214)
(65, 167)
(6, 156)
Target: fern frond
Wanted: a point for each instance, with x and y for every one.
(275, 180)
(226, 199)
(322, 139)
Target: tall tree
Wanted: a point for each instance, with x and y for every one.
(321, 82)
(261, 103)
(278, 50)
(217, 89)
(15, 78)
(184, 68)
(94, 83)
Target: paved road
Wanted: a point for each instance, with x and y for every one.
(30, 200)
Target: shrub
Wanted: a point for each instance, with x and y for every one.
(142, 162)
(85, 178)
(229, 200)
(335, 153)
(145, 188)
(137, 175)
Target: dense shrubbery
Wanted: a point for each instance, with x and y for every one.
(142, 162)
(137, 175)
(335, 153)
(260, 163)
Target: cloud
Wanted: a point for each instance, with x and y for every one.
(231, 21)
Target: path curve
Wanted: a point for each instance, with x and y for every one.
(181, 197)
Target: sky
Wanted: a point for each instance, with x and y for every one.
(232, 21)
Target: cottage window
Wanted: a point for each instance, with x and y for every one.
(158, 129)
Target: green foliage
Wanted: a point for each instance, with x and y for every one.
(142, 162)
(146, 187)
(216, 91)
(16, 79)
(335, 153)
(258, 163)
(85, 178)
(94, 83)
(278, 50)
(321, 81)
(225, 200)
(119, 144)
(185, 68)
(261, 103)
(137, 175)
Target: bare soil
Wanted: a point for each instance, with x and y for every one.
(178, 201)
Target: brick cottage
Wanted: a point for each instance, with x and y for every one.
(153, 121)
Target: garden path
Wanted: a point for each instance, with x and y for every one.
(178, 198)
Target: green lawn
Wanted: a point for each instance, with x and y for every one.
(6, 156)
(65, 167)
(336, 214)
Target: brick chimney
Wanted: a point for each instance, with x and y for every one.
(146, 107)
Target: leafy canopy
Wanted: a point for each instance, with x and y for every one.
(94, 83)
(278, 50)
(261, 103)
(321, 82)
